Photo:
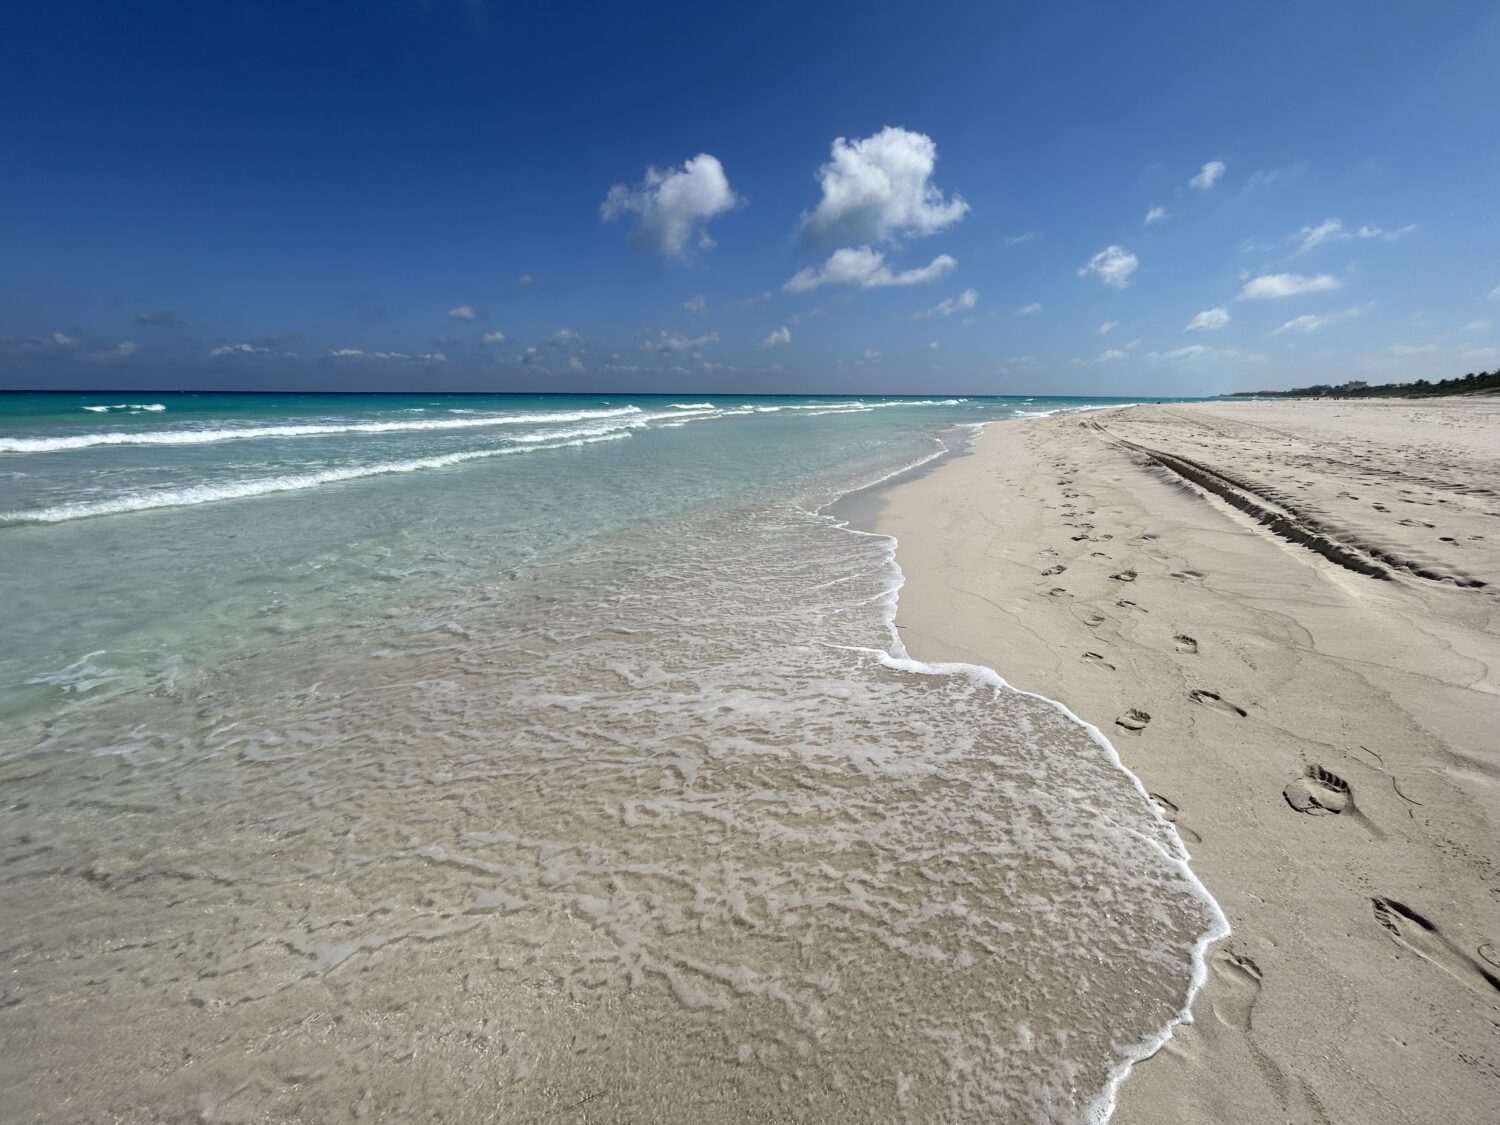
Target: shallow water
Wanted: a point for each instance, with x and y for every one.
(592, 783)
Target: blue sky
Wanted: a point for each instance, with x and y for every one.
(448, 194)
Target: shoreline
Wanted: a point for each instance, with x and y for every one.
(1084, 570)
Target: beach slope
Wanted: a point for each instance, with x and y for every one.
(1284, 615)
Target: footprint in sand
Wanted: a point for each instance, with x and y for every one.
(1051, 570)
(1187, 574)
(1171, 813)
(1058, 592)
(1124, 576)
(1126, 603)
(1239, 988)
(1216, 701)
(1185, 643)
(1320, 792)
(1410, 930)
(1092, 620)
(1134, 720)
(1097, 661)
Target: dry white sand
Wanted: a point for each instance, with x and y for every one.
(1285, 616)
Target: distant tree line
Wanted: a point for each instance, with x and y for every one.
(1474, 383)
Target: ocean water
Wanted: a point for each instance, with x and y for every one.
(475, 758)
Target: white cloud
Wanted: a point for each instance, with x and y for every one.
(1110, 356)
(866, 268)
(1155, 215)
(490, 339)
(1494, 294)
(675, 342)
(1312, 322)
(871, 353)
(1333, 230)
(463, 312)
(697, 304)
(964, 302)
(934, 345)
(1029, 310)
(758, 299)
(563, 337)
(1113, 265)
(525, 279)
(880, 187)
(782, 335)
(236, 349)
(1209, 320)
(1018, 239)
(63, 340)
(389, 357)
(674, 205)
(576, 364)
(1476, 326)
(1107, 325)
(1195, 352)
(1273, 285)
(1208, 175)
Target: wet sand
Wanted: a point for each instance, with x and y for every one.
(1286, 616)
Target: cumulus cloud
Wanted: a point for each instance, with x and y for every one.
(964, 302)
(576, 364)
(1333, 230)
(1155, 215)
(1029, 310)
(463, 312)
(1208, 175)
(1209, 320)
(236, 349)
(871, 354)
(1104, 328)
(1312, 322)
(1272, 285)
(564, 337)
(490, 339)
(1113, 265)
(866, 268)
(675, 205)
(675, 342)
(879, 188)
(782, 335)
(697, 304)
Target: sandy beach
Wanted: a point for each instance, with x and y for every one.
(1284, 615)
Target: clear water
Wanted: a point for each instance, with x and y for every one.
(492, 758)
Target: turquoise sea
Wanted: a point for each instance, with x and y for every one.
(467, 756)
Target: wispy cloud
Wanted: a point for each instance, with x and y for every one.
(1108, 326)
(1311, 322)
(1208, 175)
(386, 357)
(964, 302)
(879, 188)
(1333, 230)
(676, 342)
(1029, 310)
(1113, 265)
(1273, 285)
(675, 205)
(236, 349)
(1155, 215)
(1209, 320)
(1022, 238)
(864, 267)
(697, 304)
